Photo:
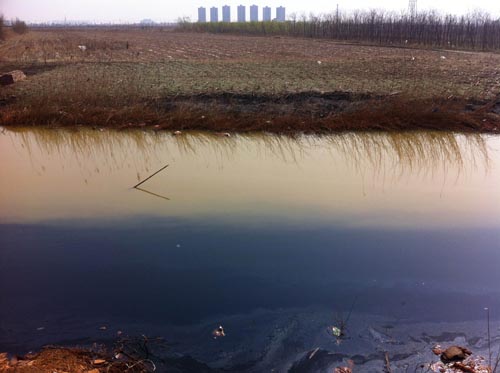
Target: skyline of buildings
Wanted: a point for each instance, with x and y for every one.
(280, 14)
(202, 14)
(214, 14)
(226, 13)
(266, 14)
(254, 13)
(241, 14)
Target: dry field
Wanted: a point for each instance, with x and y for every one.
(173, 80)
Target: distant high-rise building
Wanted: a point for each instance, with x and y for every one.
(266, 14)
(280, 14)
(202, 14)
(241, 13)
(214, 14)
(226, 13)
(254, 13)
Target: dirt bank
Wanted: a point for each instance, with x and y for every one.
(310, 112)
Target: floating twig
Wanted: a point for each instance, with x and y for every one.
(146, 179)
(352, 309)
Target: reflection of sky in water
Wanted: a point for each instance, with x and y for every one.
(408, 224)
(395, 180)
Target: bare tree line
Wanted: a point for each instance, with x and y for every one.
(2, 24)
(18, 26)
(476, 31)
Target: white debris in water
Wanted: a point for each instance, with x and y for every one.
(83, 48)
(219, 332)
(443, 57)
(336, 331)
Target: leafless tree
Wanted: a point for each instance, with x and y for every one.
(474, 31)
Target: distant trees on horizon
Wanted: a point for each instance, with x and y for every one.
(19, 27)
(2, 24)
(475, 31)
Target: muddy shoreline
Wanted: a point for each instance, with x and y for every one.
(295, 340)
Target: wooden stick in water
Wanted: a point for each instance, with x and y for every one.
(146, 179)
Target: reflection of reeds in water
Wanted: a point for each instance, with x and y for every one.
(385, 154)
(424, 153)
(93, 150)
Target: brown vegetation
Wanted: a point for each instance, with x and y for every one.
(129, 354)
(172, 80)
(307, 112)
(71, 359)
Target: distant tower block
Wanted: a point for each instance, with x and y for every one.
(412, 8)
(266, 14)
(202, 14)
(214, 14)
(254, 13)
(241, 13)
(280, 14)
(226, 13)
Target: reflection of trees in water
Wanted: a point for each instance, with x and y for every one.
(383, 154)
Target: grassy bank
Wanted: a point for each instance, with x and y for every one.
(172, 80)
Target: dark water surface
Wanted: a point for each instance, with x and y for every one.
(239, 229)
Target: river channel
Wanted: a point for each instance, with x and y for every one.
(277, 239)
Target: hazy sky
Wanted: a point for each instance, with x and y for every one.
(167, 10)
